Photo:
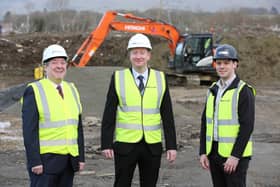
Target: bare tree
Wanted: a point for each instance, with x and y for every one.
(29, 6)
(8, 17)
(60, 6)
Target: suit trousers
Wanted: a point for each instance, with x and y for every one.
(57, 172)
(141, 155)
(222, 179)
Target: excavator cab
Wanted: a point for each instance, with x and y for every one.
(194, 54)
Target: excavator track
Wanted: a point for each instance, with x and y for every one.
(192, 79)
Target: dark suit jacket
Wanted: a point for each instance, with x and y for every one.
(52, 163)
(109, 122)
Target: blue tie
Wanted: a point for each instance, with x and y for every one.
(141, 83)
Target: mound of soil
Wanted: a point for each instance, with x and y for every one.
(259, 56)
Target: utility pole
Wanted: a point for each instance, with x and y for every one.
(166, 9)
(160, 9)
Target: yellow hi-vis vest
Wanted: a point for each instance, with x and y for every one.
(58, 118)
(137, 114)
(228, 124)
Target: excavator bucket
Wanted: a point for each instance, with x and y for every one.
(11, 95)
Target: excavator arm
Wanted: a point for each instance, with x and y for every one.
(137, 25)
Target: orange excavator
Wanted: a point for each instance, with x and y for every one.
(190, 53)
(138, 25)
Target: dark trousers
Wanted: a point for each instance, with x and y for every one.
(63, 178)
(222, 179)
(148, 165)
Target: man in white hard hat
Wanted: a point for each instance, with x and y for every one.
(52, 125)
(138, 106)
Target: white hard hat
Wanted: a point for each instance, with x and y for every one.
(52, 51)
(139, 40)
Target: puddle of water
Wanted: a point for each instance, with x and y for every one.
(11, 138)
(267, 138)
(7, 131)
(5, 124)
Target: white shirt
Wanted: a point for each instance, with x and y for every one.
(136, 74)
(55, 85)
(223, 85)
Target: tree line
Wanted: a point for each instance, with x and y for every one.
(62, 20)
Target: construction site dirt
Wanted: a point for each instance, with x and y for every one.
(259, 65)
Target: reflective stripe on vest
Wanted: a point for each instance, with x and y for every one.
(126, 108)
(58, 142)
(227, 128)
(144, 111)
(138, 109)
(138, 127)
(225, 139)
(234, 119)
(53, 124)
(52, 120)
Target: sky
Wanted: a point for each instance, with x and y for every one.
(18, 6)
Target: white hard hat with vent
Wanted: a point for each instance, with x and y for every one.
(139, 40)
(53, 51)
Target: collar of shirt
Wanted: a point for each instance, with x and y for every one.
(136, 74)
(55, 85)
(224, 84)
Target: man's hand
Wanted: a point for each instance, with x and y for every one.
(204, 162)
(231, 164)
(171, 155)
(38, 170)
(108, 153)
(81, 166)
